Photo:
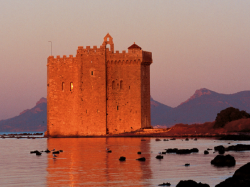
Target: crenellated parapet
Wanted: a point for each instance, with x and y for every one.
(61, 61)
(90, 51)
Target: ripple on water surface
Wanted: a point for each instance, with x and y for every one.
(85, 161)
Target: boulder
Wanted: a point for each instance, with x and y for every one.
(238, 147)
(183, 151)
(219, 148)
(122, 158)
(194, 150)
(241, 178)
(243, 172)
(172, 150)
(38, 153)
(141, 159)
(165, 184)
(191, 183)
(159, 157)
(221, 152)
(32, 152)
(222, 161)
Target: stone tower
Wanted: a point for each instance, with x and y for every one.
(99, 91)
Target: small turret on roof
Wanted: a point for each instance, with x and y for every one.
(134, 46)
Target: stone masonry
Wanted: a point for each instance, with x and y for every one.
(99, 91)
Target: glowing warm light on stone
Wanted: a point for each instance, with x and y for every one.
(111, 94)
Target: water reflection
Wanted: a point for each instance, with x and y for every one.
(85, 161)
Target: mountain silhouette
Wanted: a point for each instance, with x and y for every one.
(201, 107)
(34, 119)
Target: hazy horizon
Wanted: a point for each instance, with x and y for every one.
(195, 44)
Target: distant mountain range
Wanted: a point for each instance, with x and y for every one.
(201, 107)
(29, 120)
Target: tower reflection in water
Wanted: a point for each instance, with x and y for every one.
(85, 162)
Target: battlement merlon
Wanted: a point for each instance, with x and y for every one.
(51, 59)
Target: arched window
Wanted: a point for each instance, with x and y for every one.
(71, 86)
(121, 84)
(108, 46)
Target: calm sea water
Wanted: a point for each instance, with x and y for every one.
(85, 162)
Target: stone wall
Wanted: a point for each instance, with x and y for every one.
(99, 91)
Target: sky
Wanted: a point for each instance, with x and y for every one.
(195, 44)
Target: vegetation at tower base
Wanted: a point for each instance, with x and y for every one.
(229, 114)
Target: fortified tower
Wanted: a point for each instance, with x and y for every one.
(98, 91)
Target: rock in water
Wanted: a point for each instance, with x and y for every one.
(165, 184)
(191, 183)
(38, 153)
(221, 161)
(141, 159)
(206, 152)
(241, 178)
(219, 148)
(159, 157)
(122, 158)
(194, 150)
(243, 172)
